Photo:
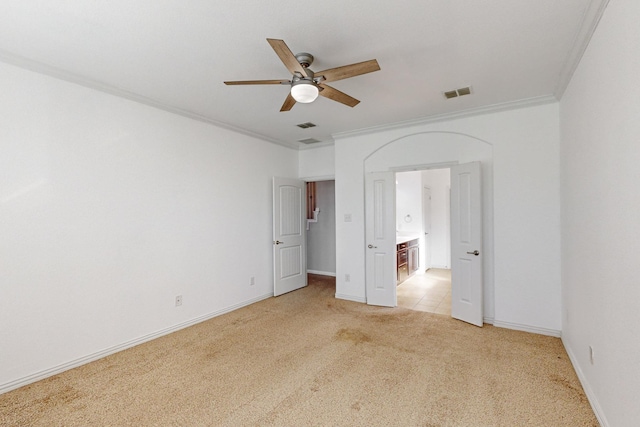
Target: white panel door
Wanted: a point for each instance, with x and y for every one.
(466, 243)
(289, 244)
(426, 226)
(380, 194)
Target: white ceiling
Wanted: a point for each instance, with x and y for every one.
(175, 54)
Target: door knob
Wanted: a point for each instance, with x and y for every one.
(371, 246)
(476, 253)
(277, 242)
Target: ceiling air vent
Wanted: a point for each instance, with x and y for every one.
(457, 92)
(450, 94)
(306, 125)
(309, 141)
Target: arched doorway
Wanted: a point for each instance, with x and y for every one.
(429, 150)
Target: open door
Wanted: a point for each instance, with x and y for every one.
(380, 194)
(466, 243)
(426, 226)
(289, 245)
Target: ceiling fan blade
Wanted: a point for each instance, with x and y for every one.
(346, 71)
(288, 103)
(336, 95)
(258, 82)
(287, 57)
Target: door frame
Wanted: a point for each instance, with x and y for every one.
(427, 252)
(305, 255)
(335, 248)
(391, 261)
(433, 166)
(295, 239)
(425, 149)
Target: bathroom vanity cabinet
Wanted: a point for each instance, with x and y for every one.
(407, 259)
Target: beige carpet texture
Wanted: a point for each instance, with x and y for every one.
(308, 359)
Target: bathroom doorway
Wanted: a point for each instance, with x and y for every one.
(422, 211)
(321, 228)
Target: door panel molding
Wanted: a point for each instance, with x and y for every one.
(289, 237)
(380, 195)
(466, 244)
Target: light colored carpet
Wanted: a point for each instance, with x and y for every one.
(306, 358)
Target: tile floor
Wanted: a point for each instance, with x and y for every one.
(429, 292)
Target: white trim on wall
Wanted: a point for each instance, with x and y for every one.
(593, 401)
(507, 106)
(590, 21)
(40, 375)
(444, 267)
(322, 273)
(351, 298)
(61, 74)
(318, 178)
(527, 328)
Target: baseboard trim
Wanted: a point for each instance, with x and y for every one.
(20, 382)
(488, 320)
(322, 273)
(591, 397)
(442, 267)
(351, 298)
(527, 328)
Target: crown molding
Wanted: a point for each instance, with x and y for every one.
(588, 26)
(512, 105)
(57, 73)
(316, 145)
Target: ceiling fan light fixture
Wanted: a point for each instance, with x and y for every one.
(305, 86)
(304, 91)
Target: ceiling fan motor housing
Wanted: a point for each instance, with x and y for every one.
(305, 84)
(305, 59)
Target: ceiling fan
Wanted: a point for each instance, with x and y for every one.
(307, 85)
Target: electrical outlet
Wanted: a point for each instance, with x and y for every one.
(252, 281)
(347, 277)
(591, 355)
(178, 300)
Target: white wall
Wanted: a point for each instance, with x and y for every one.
(600, 153)
(519, 151)
(439, 181)
(317, 163)
(409, 198)
(321, 236)
(108, 210)
(409, 202)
